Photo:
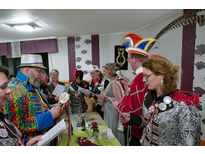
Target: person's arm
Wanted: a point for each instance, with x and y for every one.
(189, 125)
(117, 91)
(125, 80)
(117, 94)
(135, 120)
(131, 119)
(123, 105)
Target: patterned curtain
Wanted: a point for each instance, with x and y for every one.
(83, 51)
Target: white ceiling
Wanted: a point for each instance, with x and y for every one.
(74, 22)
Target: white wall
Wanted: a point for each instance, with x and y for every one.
(169, 45)
(59, 60)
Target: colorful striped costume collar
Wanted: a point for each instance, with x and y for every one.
(23, 78)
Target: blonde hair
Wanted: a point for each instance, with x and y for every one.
(111, 67)
(162, 66)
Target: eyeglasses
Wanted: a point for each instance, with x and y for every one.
(146, 77)
(39, 70)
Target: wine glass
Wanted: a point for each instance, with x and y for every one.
(104, 136)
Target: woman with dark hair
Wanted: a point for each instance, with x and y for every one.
(78, 104)
(170, 117)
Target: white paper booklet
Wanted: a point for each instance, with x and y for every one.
(85, 91)
(58, 90)
(52, 133)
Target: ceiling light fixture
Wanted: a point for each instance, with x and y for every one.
(24, 28)
(28, 27)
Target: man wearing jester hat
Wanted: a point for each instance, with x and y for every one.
(26, 107)
(137, 49)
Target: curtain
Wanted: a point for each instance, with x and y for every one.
(39, 46)
(5, 50)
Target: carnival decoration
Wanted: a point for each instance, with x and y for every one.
(65, 136)
(136, 44)
(31, 60)
(187, 18)
(157, 107)
(189, 98)
(127, 41)
(130, 40)
(132, 43)
(142, 47)
(121, 57)
(63, 98)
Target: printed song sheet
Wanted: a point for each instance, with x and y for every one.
(58, 90)
(52, 133)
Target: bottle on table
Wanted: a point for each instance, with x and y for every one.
(83, 125)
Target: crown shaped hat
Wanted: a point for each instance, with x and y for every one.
(136, 44)
(31, 60)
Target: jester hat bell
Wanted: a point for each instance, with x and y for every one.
(31, 60)
(136, 44)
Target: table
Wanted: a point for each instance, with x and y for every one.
(89, 116)
(102, 142)
(77, 132)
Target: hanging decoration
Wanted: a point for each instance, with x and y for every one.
(188, 18)
(121, 57)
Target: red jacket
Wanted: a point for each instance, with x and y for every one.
(132, 102)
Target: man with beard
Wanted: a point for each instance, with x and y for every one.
(26, 107)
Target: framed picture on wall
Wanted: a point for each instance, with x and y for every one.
(121, 57)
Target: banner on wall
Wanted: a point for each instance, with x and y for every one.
(121, 57)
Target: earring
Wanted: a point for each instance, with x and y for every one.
(161, 82)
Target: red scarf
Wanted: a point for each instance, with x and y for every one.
(95, 81)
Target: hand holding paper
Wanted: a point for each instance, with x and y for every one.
(58, 90)
(52, 133)
(85, 91)
(125, 117)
